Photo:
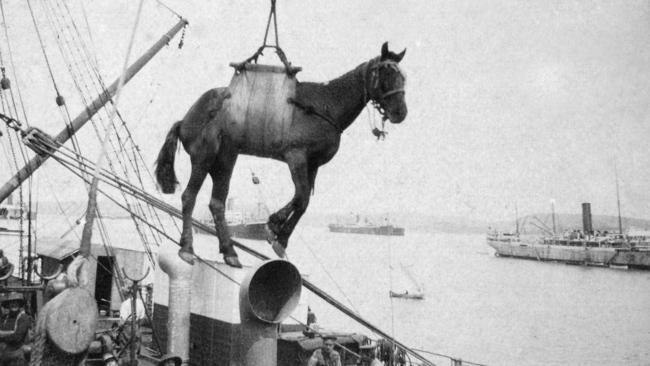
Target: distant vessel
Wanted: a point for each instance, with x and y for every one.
(245, 224)
(418, 294)
(367, 227)
(407, 295)
(587, 247)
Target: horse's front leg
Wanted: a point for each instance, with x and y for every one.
(284, 221)
(300, 206)
(188, 199)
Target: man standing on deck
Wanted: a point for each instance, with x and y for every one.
(325, 356)
(13, 331)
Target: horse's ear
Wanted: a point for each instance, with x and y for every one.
(400, 56)
(384, 51)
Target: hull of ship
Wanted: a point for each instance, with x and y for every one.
(370, 230)
(595, 256)
(253, 230)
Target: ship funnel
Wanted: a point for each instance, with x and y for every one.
(268, 294)
(586, 219)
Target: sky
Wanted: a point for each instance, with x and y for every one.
(510, 102)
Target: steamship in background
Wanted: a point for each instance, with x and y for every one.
(365, 226)
(243, 222)
(587, 246)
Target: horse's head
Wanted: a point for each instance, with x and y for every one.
(385, 85)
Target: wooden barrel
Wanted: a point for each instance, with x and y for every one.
(257, 111)
(71, 319)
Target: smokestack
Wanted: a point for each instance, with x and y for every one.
(586, 219)
(268, 294)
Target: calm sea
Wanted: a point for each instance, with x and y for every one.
(478, 307)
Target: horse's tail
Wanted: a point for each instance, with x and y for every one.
(165, 174)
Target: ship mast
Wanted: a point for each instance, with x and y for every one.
(553, 215)
(516, 220)
(618, 202)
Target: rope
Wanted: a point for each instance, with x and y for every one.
(136, 154)
(40, 40)
(38, 345)
(13, 66)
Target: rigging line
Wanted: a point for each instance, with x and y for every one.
(168, 8)
(323, 295)
(71, 35)
(72, 168)
(94, 68)
(449, 357)
(117, 97)
(40, 39)
(6, 107)
(119, 183)
(65, 112)
(11, 61)
(60, 207)
(390, 281)
(120, 144)
(263, 195)
(88, 29)
(329, 275)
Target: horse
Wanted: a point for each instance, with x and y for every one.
(323, 111)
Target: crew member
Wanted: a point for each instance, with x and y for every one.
(311, 317)
(13, 331)
(325, 356)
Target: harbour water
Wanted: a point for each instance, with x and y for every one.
(494, 311)
(478, 307)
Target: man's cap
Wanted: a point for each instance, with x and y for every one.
(171, 357)
(13, 296)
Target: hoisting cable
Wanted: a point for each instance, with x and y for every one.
(278, 50)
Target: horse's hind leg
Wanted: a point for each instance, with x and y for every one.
(220, 173)
(189, 199)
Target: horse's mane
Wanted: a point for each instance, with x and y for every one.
(331, 90)
(325, 98)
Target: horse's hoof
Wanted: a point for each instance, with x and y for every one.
(232, 261)
(279, 249)
(271, 236)
(187, 256)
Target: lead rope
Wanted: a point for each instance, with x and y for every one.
(379, 133)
